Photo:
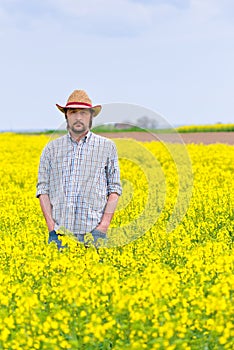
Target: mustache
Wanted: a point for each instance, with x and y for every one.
(78, 122)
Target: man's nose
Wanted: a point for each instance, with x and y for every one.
(78, 115)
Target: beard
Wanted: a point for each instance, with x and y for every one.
(79, 127)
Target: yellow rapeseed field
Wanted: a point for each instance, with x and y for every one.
(204, 128)
(171, 288)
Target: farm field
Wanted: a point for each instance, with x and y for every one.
(171, 288)
(205, 138)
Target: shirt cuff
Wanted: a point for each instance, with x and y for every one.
(41, 191)
(114, 189)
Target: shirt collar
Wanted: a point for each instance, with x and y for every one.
(84, 139)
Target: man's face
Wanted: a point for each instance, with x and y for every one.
(78, 120)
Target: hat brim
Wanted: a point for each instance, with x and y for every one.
(96, 109)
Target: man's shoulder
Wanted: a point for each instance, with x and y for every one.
(101, 139)
(58, 141)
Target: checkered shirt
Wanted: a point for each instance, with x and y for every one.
(78, 178)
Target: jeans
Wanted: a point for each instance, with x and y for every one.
(96, 235)
(54, 237)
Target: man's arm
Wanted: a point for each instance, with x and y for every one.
(47, 211)
(114, 189)
(108, 212)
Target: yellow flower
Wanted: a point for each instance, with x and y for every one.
(168, 289)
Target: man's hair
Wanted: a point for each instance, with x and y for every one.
(91, 118)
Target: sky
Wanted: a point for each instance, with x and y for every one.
(172, 57)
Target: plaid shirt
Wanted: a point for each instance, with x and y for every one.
(78, 178)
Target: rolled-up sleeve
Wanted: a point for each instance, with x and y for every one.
(43, 173)
(113, 173)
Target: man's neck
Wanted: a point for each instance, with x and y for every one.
(78, 137)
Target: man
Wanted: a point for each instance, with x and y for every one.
(78, 179)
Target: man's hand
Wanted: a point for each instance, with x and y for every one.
(103, 228)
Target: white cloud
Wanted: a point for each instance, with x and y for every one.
(105, 18)
(176, 59)
(163, 20)
(101, 8)
(5, 20)
(92, 17)
(209, 9)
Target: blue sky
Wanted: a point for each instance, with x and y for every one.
(174, 57)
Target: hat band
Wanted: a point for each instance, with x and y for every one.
(78, 104)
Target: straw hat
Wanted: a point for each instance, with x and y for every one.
(80, 99)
